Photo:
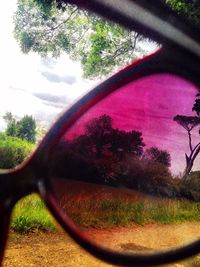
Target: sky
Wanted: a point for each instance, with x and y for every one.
(32, 85)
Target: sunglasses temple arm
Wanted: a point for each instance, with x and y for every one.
(4, 228)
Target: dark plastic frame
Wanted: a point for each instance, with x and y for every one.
(33, 175)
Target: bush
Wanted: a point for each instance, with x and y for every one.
(190, 187)
(13, 151)
(147, 176)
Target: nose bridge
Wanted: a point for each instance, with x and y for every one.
(15, 184)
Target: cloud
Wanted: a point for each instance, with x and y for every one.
(53, 100)
(49, 63)
(52, 77)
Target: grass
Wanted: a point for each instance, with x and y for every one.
(110, 213)
(30, 213)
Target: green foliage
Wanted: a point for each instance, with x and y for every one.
(11, 129)
(31, 214)
(24, 128)
(16, 144)
(189, 8)
(50, 27)
(13, 151)
(53, 27)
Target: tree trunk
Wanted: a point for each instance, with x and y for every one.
(189, 163)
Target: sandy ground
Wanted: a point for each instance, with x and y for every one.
(57, 249)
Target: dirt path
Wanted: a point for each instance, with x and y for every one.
(56, 249)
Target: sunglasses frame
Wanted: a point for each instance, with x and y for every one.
(33, 175)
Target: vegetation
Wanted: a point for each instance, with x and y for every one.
(24, 129)
(51, 28)
(189, 123)
(17, 142)
(13, 151)
(107, 155)
(54, 27)
(110, 213)
(31, 214)
(189, 8)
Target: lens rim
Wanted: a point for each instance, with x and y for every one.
(162, 61)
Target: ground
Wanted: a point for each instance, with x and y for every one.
(57, 249)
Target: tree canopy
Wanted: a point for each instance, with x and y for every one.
(189, 123)
(53, 28)
(102, 138)
(154, 154)
(104, 154)
(23, 129)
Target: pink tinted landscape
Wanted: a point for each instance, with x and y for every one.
(149, 105)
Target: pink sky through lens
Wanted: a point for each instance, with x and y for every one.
(149, 105)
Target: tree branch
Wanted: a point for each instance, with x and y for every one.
(135, 41)
(195, 154)
(65, 21)
(197, 145)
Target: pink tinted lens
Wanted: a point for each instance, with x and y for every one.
(127, 172)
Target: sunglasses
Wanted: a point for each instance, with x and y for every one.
(119, 169)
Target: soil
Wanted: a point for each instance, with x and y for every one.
(57, 249)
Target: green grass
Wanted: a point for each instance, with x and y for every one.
(30, 214)
(116, 212)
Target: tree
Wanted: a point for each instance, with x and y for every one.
(99, 154)
(53, 27)
(49, 28)
(11, 129)
(124, 143)
(154, 154)
(8, 117)
(196, 106)
(104, 138)
(189, 123)
(24, 128)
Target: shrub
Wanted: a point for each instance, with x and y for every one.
(147, 176)
(13, 151)
(190, 187)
